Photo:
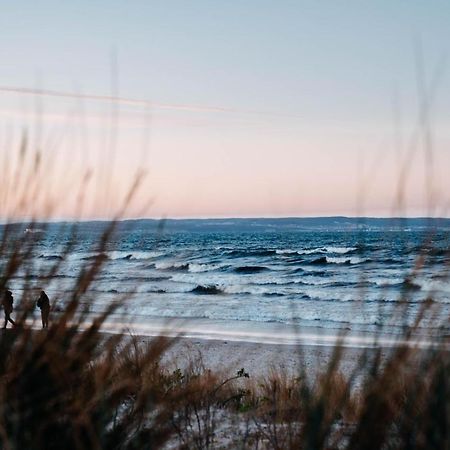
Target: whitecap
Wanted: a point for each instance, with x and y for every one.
(199, 267)
(345, 260)
(339, 250)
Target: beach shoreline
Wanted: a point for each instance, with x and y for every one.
(259, 360)
(311, 352)
(259, 348)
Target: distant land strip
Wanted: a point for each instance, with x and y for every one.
(335, 223)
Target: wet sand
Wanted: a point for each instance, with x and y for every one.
(228, 348)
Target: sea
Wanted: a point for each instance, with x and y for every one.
(248, 277)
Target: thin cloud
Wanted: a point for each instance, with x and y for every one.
(136, 102)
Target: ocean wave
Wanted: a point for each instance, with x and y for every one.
(340, 250)
(33, 230)
(189, 267)
(287, 252)
(157, 278)
(408, 285)
(311, 251)
(130, 291)
(250, 253)
(437, 284)
(280, 283)
(348, 260)
(201, 267)
(293, 260)
(388, 282)
(440, 252)
(310, 273)
(127, 258)
(390, 261)
(123, 255)
(429, 250)
(424, 285)
(319, 261)
(358, 284)
(338, 324)
(43, 276)
(172, 266)
(267, 290)
(51, 257)
(239, 289)
(250, 269)
(337, 283)
(306, 251)
(298, 270)
(207, 290)
(96, 256)
(137, 278)
(134, 255)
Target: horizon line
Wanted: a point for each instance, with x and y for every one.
(225, 218)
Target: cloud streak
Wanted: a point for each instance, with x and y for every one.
(137, 102)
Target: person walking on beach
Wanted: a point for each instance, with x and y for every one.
(44, 304)
(7, 303)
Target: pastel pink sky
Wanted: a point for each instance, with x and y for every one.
(258, 108)
(203, 164)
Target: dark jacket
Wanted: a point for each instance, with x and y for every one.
(43, 301)
(7, 301)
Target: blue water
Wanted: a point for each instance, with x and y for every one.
(332, 279)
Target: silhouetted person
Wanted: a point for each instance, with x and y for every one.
(7, 303)
(44, 303)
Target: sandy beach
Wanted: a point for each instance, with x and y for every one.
(258, 359)
(259, 349)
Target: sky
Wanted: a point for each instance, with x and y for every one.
(232, 108)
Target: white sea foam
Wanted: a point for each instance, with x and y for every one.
(165, 265)
(311, 251)
(114, 255)
(386, 282)
(433, 285)
(198, 267)
(345, 259)
(286, 251)
(340, 250)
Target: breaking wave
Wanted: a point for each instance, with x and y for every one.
(207, 290)
(250, 269)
